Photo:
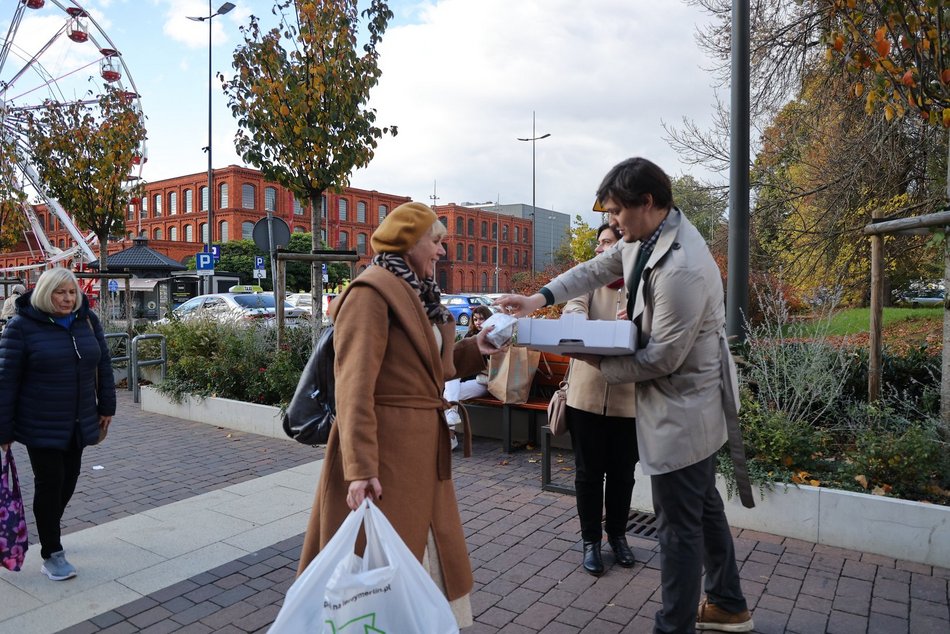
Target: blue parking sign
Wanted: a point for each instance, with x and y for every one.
(215, 251)
(259, 262)
(204, 261)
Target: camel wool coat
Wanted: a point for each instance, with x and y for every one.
(390, 423)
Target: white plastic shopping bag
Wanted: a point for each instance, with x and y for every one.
(386, 591)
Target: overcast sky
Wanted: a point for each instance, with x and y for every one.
(460, 80)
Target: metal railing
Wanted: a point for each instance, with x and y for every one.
(126, 357)
(135, 363)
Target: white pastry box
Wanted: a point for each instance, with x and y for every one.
(575, 333)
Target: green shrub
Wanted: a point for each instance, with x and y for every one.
(236, 361)
(910, 463)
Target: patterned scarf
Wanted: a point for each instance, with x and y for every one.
(429, 292)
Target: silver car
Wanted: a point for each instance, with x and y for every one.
(237, 308)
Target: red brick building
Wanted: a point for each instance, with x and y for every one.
(481, 241)
(173, 213)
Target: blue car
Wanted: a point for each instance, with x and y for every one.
(461, 306)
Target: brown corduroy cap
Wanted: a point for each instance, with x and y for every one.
(402, 228)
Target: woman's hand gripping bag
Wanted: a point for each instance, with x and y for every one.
(387, 590)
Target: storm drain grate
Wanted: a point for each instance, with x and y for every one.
(642, 525)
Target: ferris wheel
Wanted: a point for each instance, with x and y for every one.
(54, 51)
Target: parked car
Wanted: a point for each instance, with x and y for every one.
(923, 297)
(461, 306)
(245, 304)
(304, 301)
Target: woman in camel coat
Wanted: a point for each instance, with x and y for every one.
(395, 347)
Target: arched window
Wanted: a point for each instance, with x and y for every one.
(157, 234)
(494, 255)
(484, 229)
(299, 229)
(204, 232)
(517, 234)
(525, 236)
(223, 196)
(247, 230)
(484, 281)
(524, 256)
(504, 233)
(516, 252)
(459, 251)
(270, 198)
(344, 240)
(471, 226)
(494, 231)
(143, 233)
(189, 233)
(460, 226)
(298, 208)
(384, 210)
(471, 253)
(360, 211)
(341, 209)
(484, 255)
(172, 203)
(248, 194)
(442, 219)
(443, 279)
(189, 201)
(157, 210)
(504, 256)
(361, 243)
(323, 235)
(223, 231)
(203, 195)
(131, 213)
(173, 234)
(143, 212)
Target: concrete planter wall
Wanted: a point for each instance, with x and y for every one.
(869, 523)
(264, 420)
(913, 531)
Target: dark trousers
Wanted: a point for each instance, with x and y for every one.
(693, 533)
(605, 448)
(55, 473)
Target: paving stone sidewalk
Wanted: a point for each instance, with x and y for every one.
(524, 545)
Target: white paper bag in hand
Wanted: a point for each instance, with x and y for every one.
(387, 590)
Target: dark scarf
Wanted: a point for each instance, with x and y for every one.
(428, 291)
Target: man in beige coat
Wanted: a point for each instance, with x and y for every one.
(684, 379)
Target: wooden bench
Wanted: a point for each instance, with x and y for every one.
(551, 371)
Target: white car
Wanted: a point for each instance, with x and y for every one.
(304, 301)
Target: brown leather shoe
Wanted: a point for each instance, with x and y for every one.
(711, 617)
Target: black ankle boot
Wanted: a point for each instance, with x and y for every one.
(622, 553)
(593, 562)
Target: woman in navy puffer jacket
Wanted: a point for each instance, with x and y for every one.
(58, 396)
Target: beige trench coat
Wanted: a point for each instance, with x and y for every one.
(390, 423)
(678, 367)
(588, 390)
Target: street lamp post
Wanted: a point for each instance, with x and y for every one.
(224, 8)
(533, 138)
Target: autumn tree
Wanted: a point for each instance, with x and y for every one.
(300, 94)
(83, 152)
(12, 196)
(821, 164)
(704, 205)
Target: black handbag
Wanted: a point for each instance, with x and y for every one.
(312, 409)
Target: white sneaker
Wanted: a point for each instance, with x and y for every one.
(452, 417)
(454, 442)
